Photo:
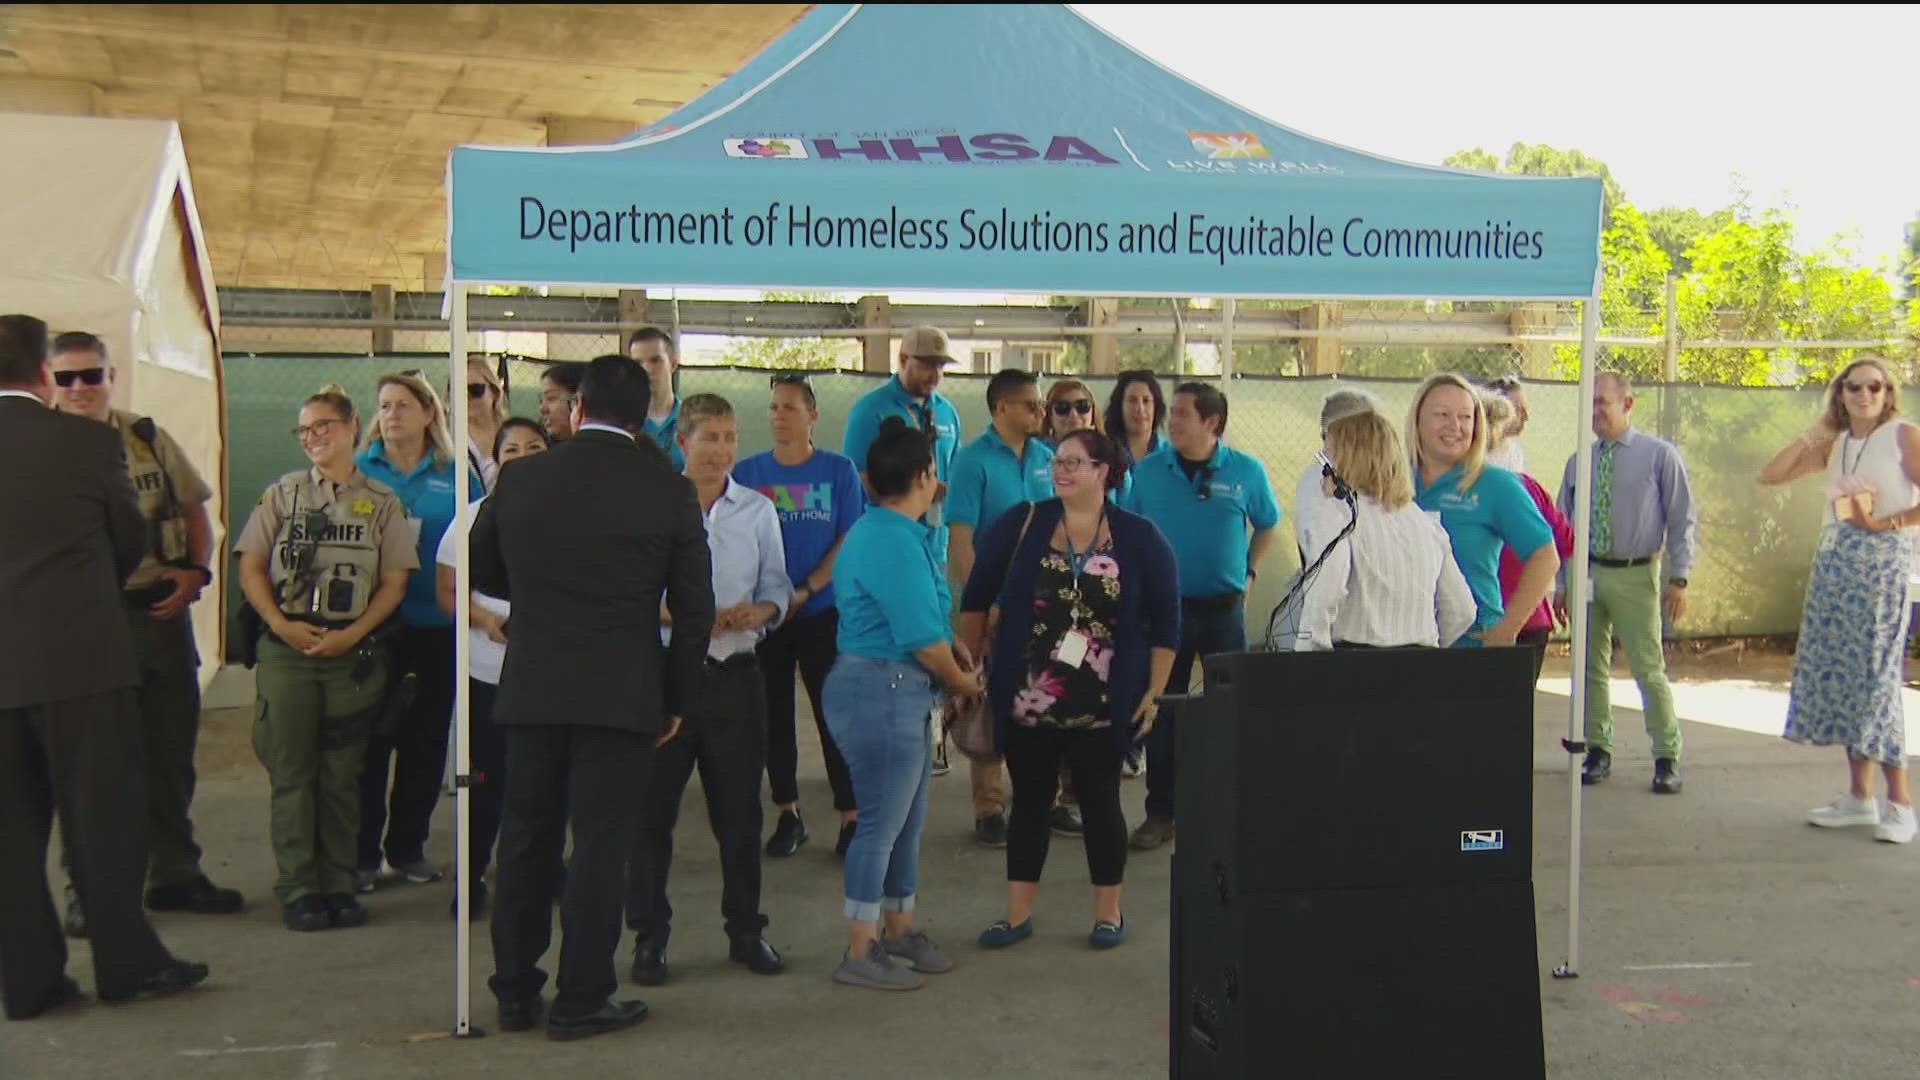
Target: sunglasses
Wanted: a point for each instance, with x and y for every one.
(1203, 484)
(1068, 408)
(476, 390)
(1852, 387)
(92, 376)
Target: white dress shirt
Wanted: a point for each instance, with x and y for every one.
(487, 656)
(1392, 582)
(749, 563)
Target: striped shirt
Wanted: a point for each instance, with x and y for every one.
(1393, 582)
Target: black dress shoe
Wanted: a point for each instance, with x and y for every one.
(611, 1017)
(175, 976)
(199, 896)
(787, 836)
(1666, 777)
(520, 1015)
(760, 957)
(75, 923)
(307, 914)
(1599, 766)
(345, 912)
(650, 962)
(846, 837)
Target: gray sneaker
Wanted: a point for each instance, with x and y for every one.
(875, 971)
(365, 881)
(419, 873)
(919, 951)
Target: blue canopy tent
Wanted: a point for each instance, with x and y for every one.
(1006, 148)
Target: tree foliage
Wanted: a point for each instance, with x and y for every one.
(1539, 159)
(786, 353)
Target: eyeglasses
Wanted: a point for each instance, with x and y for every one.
(1072, 464)
(1865, 388)
(316, 430)
(476, 390)
(1068, 408)
(92, 376)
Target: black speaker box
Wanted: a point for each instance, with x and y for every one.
(1352, 879)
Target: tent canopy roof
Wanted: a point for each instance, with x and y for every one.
(1001, 146)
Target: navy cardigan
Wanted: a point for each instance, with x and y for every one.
(1149, 605)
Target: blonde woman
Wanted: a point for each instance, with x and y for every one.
(486, 413)
(1851, 657)
(1483, 507)
(1390, 580)
(408, 450)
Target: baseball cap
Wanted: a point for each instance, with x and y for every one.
(926, 343)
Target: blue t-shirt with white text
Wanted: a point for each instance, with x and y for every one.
(818, 500)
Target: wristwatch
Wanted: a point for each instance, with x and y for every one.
(1678, 583)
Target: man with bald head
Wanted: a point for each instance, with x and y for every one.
(1643, 540)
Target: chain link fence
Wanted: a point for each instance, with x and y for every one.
(1755, 543)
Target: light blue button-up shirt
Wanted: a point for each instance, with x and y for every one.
(1653, 506)
(749, 564)
(988, 480)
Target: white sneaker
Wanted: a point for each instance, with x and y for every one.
(1897, 824)
(1845, 811)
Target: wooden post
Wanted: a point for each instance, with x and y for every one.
(876, 350)
(1103, 350)
(1321, 355)
(633, 315)
(1670, 369)
(383, 312)
(1536, 357)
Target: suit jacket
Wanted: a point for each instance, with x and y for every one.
(585, 540)
(70, 534)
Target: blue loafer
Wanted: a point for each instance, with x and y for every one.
(1106, 935)
(1002, 934)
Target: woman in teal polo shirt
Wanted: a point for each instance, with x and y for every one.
(895, 641)
(410, 451)
(1483, 507)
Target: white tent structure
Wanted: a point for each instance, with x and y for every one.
(1039, 155)
(102, 235)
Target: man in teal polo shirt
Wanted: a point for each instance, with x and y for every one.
(1006, 467)
(653, 347)
(914, 396)
(1217, 510)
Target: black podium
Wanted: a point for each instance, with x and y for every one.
(1353, 893)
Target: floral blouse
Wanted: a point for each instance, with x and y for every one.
(1057, 694)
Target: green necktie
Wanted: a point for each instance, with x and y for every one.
(1603, 502)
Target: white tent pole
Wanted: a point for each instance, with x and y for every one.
(1227, 308)
(1579, 595)
(462, 665)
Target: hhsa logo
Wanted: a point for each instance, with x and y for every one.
(1218, 145)
(1483, 840)
(765, 148)
(993, 146)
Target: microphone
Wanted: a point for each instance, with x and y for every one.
(1341, 490)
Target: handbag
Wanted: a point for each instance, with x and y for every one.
(969, 727)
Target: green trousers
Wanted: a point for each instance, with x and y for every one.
(310, 728)
(170, 710)
(1626, 603)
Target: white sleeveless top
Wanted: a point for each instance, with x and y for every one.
(1872, 464)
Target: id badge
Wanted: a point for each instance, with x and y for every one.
(1073, 648)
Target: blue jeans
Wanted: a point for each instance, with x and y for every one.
(877, 713)
(1202, 633)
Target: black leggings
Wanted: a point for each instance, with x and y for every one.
(1535, 638)
(416, 750)
(487, 754)
(809, 644)
(1093, 757)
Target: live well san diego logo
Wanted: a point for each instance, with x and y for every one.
(1218, 145)
(766, 148)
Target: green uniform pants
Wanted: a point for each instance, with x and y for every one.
(169, 697)
(1626, 602)
(311, 723)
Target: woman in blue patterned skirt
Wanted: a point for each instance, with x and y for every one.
(1851, 658)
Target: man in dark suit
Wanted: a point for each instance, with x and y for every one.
(70, 734)
(588, 691)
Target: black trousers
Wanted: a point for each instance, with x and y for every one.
(725, 738)
(1535, 639)
(84, 760)
(811, 645)
(417, 749)
(487, 756)
(1034, 755)
(591, 779)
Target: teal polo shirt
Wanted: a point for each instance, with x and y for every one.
(988, 480)
(1209, 535)
(891, 399)
(890, 588)
(427, 494)
(665, 435)
(1495, 512)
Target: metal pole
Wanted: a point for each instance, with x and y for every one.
(1226, 341)
(1579, 594)
(462, 665)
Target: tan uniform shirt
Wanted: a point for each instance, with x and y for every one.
(365, 535)
(150, 473)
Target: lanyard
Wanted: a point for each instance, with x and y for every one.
(1077, 560)
(1846, 469)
